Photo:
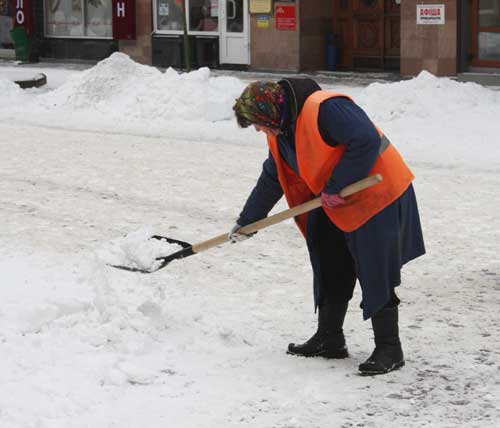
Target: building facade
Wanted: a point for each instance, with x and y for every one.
(444, 37)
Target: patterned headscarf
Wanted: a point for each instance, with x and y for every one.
(260, 104)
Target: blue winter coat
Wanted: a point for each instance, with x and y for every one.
(382, 245)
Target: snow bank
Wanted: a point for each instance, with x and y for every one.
(120, 95)
(76, 292)
(427, 96)
(415, 114)
(10, 93)
(110, 80)
(123, 89)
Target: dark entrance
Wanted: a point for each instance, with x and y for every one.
(368, 33)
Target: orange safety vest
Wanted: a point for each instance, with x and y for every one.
(316, 161)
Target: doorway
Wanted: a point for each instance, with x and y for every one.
(368, 34)
(234, 46)
(485, 31)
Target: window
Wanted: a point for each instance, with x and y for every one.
(5, 25)
(99, 22)
(489, 37)
(489, 46)
(234, 16)
(78, 18)
(5, 8)
(489, 13)
(204, 15)
(169, 15)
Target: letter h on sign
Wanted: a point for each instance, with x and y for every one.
(124, 19)
(120, 9)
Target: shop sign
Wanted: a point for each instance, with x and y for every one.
(124, 19)
(260, 6)
(285, 17)
(22, 15)
(263, 21)
(430, 14)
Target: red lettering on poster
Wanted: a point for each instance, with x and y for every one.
(430, 12)
(124, 19)
(285, 18)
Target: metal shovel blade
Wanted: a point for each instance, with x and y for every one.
(187, 250)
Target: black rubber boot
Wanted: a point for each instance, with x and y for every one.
(388, 354)
(328, 341)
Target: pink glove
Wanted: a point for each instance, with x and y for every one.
(331, 201)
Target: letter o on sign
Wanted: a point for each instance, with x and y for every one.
(20, 17)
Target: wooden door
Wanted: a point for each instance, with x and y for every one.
(392, 35)
(342, 27)
(368, 33)
(485, 30)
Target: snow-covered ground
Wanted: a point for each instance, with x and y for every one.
(124, 148)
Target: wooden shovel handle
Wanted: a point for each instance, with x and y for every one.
(289, 213)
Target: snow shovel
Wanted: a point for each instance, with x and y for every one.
(191, 249)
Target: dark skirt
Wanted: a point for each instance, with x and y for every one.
(374, 253)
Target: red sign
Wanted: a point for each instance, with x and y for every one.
(124, 19)
(285, 17)
(22, 15)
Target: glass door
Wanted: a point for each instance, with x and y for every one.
(234, 35)
(486, 33)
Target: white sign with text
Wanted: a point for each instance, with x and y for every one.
(430, 13)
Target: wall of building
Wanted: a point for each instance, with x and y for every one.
(273, 49)
(140, 49)
(315, 23)
(428, 47)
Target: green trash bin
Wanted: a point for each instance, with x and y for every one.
(22, 43)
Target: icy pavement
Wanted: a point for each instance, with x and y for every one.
(202, 344)
(85, 162)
